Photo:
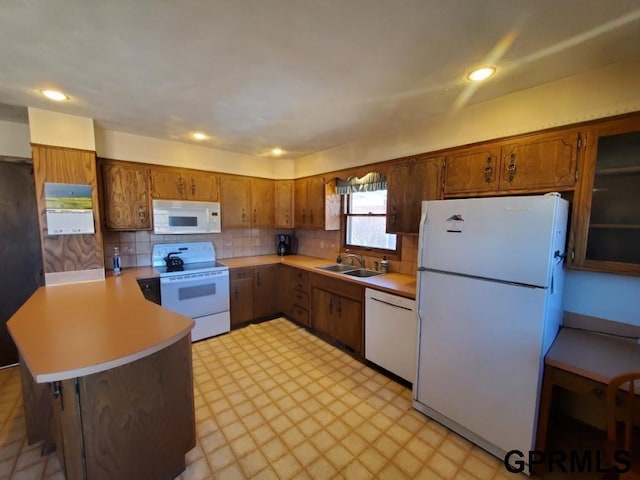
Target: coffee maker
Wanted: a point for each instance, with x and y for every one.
(283, 244)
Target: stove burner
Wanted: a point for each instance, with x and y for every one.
(175, 268)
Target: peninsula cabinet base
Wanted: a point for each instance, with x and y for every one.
(130, 422)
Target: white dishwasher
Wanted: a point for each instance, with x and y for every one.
(391, 333)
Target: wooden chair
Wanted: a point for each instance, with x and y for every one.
(623, 404)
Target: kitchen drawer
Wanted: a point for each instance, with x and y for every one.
(300, 298)
(240, 273)
(300, 278)
(300, 314)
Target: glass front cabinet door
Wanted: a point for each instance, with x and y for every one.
(606, 214)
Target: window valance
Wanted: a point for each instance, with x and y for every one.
(371, 182)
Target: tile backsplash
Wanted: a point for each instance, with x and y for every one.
(135, 247)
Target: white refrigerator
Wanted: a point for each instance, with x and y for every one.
(489, 295)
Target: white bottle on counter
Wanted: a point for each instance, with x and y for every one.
(384, 265)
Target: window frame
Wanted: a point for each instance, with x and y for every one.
(359, 249)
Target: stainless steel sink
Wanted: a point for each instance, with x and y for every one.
(362, 273)
(338, 267)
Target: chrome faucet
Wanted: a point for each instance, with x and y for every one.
(360, 258)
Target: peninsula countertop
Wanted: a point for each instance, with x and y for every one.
(72, 330)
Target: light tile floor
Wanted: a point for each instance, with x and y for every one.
(275, 402)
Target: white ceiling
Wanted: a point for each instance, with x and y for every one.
(304, 75)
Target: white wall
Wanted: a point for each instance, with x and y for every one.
(14, 140)
(601, 93)
(136, 148)
(60, 129)
(613, 297)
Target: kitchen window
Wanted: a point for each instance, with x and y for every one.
(365, 219)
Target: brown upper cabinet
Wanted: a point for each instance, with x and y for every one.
(126, 201)
(472, 170)
(409, 183)
(316, 204)
(236, 201)
(536, 163)
(605, 231)
(284, 203)
(247, 202)
(183, 184)
(262, 203)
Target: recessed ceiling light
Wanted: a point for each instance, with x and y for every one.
(199, 136)
(276, 152)
(54, 95)
(481, 73)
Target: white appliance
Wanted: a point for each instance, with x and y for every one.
(186, 217)
(193, 284)
(391, 332)
(489, 292)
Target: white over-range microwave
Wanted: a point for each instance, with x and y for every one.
(184, 217)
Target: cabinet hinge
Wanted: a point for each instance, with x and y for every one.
(577, 174)
(573, 255)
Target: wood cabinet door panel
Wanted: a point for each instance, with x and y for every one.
(322, 308)
(315, 202)
(347, 320)
(605, 224)
(284, 203)
(126, 190)
(265, 291)
(203, 187)
(472, 170)
(168, 184)
(236, 199)
(546, 162)
(241, 295)
(262, 203)
(407, 186)
(300, 217)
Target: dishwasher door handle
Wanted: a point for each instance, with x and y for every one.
(392, 304)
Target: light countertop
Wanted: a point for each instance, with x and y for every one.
(395, 283)
(72, 330)
(593, 355)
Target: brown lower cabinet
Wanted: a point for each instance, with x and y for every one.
(337, 311)
(132, 421)
(253, 293)
(330, 306)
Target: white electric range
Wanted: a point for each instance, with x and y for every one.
(194, 284)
